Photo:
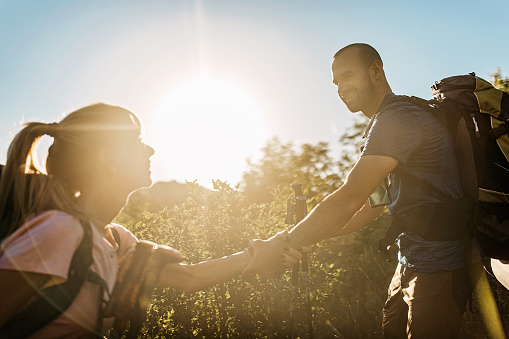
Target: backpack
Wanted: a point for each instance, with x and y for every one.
(54, 300)
(477, 115)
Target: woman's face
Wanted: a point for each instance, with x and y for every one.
(131, 165)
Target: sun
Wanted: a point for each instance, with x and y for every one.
(205, 129)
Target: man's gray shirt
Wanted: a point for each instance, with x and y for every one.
(423, 146)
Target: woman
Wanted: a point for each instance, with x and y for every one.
(97, 159)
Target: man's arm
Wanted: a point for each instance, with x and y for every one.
(333, 213)
(360, 220)
(337, 209)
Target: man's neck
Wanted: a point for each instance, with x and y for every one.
(375, 104)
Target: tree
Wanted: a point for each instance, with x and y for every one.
(352, 141)
(312, 165)
(282, 164)
(499, 81)
(159, 196)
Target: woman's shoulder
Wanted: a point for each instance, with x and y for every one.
(57, 221)
(45, 244)
(52, 224)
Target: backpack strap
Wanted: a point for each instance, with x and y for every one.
(115, 234)
(425, 186)
(54, 300)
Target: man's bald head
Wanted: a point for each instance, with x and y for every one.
(366, 53)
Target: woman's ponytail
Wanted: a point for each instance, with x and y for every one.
(25, 189)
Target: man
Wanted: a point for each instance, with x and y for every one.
(407, 145)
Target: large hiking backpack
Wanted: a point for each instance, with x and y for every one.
(477, 115)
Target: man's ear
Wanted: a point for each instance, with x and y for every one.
(376, 70)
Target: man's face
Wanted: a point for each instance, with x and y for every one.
(352, 79)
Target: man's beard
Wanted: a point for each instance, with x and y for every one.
(362, 98)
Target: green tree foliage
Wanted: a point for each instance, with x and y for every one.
(157, 197)
(312, 165)
(351, 142)
(281, 165)
(499, 81)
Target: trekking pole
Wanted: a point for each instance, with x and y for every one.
(296, 211)
(290, 219)
(295, 284)
(309, 314)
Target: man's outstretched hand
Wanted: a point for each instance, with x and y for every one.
(273, 256)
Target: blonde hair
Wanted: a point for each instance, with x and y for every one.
(26, 190)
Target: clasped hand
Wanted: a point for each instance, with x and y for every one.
(271, 257)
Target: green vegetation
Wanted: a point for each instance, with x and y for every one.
(348, 277)
(499, 81)
(348, 281)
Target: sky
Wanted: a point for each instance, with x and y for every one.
(213, 80)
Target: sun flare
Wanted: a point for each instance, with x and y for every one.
(206, 129)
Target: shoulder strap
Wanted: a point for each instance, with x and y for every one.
(432, 106)
(427, 105)
(115, 234)
(425, 186)
(54, 300)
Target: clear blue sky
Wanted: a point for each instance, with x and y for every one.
(265, 59)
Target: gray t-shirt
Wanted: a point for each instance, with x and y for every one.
(423, 146)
